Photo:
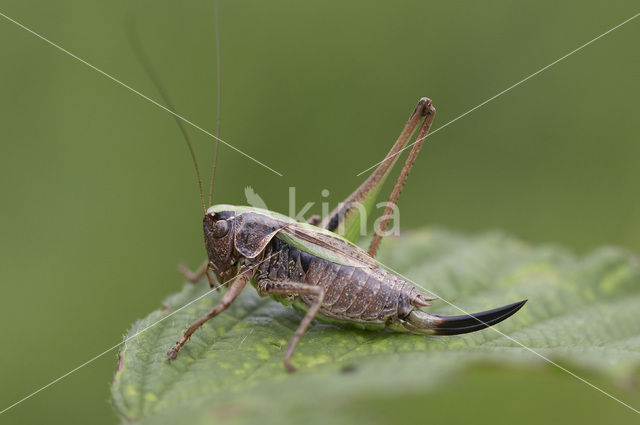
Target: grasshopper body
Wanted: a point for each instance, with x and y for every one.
(321, 272)
(353, 287)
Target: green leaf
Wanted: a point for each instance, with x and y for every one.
(582, 312)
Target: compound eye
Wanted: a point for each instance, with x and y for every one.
(220, 228)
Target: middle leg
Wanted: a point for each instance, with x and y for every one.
(295, 288)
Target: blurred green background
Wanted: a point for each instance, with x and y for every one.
(99, 201)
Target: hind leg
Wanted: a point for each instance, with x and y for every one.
(404, 173)
(352, 212)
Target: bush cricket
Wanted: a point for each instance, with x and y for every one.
(320, 272)
(316, 267)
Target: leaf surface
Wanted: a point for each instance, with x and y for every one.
(583, 313)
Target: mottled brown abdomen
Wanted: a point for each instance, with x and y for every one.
(358, 294)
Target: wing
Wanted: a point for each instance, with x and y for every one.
(323, 245)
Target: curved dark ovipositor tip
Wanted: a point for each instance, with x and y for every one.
(455, 325)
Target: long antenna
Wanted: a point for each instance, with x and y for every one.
(139, 52)
(219, 93)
